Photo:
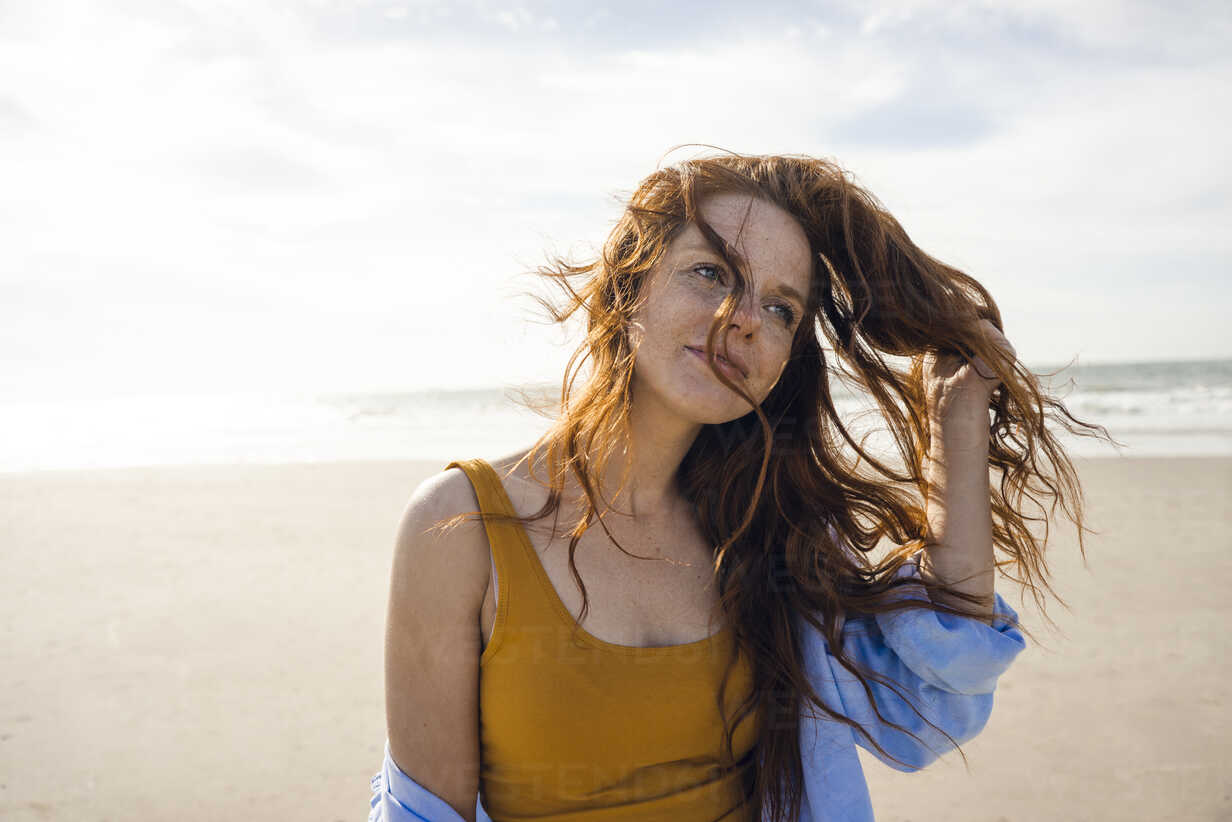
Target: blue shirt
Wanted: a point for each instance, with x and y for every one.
(947, 665)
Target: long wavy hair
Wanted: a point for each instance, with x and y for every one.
(792, 518)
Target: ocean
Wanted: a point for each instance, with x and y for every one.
(1154, 409)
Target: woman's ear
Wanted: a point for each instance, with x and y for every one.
(635, 332)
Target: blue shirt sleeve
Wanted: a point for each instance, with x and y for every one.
(396, 797)
(947, 665)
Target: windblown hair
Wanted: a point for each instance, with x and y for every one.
(792, 518)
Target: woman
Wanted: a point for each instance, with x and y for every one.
(743, 640)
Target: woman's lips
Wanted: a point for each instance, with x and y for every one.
(731, 370)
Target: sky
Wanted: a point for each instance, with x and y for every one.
(347, 196)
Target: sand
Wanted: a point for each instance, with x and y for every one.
(206, 643)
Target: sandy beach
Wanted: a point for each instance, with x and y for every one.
(205, 643)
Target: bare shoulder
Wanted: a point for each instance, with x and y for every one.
(447, 491)
(425, 537)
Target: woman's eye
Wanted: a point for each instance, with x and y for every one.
(787, 314)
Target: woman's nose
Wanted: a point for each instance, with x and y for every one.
(746, 317)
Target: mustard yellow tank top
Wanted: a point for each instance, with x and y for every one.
(590, 731)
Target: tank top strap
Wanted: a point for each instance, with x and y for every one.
(504, 538)
(516, 572)
(492, 497)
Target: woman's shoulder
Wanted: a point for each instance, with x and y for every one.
(451, 491)
(444, 493)
(434, 549)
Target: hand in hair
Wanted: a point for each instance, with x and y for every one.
(958, 388)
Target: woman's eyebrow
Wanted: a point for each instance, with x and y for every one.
(706, 248)
(788, 291)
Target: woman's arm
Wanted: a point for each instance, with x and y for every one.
(432, 649)
(957, 499)
(959, 512)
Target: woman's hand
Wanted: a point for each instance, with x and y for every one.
(958, 391)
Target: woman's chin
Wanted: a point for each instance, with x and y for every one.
(724, 406)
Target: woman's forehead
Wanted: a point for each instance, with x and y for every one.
(762, 233)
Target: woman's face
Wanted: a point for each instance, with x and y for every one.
(684, 292)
